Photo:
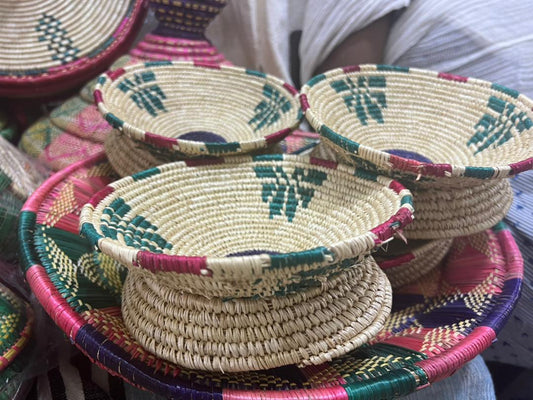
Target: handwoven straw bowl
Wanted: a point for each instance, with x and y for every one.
(431, 131)
(49, 46)
(242, 226)
(189, 109)
(405, 263)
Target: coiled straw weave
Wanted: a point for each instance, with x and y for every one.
(449, 139)
(230, 335)
(196, 109)
(244, 219)
(405, 263)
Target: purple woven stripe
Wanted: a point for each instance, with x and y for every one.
(113, 357)
(504, 305)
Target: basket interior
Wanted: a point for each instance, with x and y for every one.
(418, 115)
(249, 207)
(201, 104)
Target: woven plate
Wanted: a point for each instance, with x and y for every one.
(196, 109)
(405, 263)
(48, 46)
(431, 131)
(251, 220)
(436, 326)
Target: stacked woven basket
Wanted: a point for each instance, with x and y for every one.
(452, 141)
(243, 262)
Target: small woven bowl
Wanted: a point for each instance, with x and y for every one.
(449, 139)
(417, 124)
(405, 263)
(245, 220)
(194, 109)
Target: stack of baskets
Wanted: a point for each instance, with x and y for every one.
(452, 141)
(243, 262)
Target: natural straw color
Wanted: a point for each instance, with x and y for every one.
(309, 327)
(405, 263)
(194, 109)
(42, 41)
(128, 156)
(456, 127)
(244, 219)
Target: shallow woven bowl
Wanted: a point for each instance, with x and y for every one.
(270, 221)
(48, 46)
(413, 123)
(405, 263)
(195, 109)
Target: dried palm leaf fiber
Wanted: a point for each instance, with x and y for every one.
(76, 130)
(437, 324)
(404, 263)
(49, 46)
(244, 222)
(451, 140)
(19, 177)
(179, 114)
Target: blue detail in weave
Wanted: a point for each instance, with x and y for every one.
(411, 155)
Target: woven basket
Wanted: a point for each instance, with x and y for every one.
(429, 130)
(231, 335)
(52, 137)
(50, 46)
(405, 263)
(16, 324)
(437, 324)
(198, 110)
(244, 219)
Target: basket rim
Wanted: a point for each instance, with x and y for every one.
(60, 78)
(115, 359)
(401, 164)
(322, 255)
(194, 147)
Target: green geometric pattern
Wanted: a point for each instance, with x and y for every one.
(149, 98)
(269, 110)
(286, 193)
(137, 232)
(366, 98)
(57, 39)
(494, 131)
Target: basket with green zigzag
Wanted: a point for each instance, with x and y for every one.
(430, 130)
(245, 226)
(190, 109)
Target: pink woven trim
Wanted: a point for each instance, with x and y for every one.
(172, 263)
(121, 27)
(206, 65)
(351, 68)
(35, 200)
(393, 225)
(152, 38)
(291, 89)
(55, 305)
(417, 167)
(514, 260)
(304, 102)
(177, 50)
(452, 77)
(331, 393)
(396, 262)
(98, 97)
(99, 196)
(396, 186)
(278, 136)
(323, 163)
(445, 364)
(522, 166)
(312, 135)
(153, 56)
(160, 141)
(116, 73)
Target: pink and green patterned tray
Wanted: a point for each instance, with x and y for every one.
(438, 323)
